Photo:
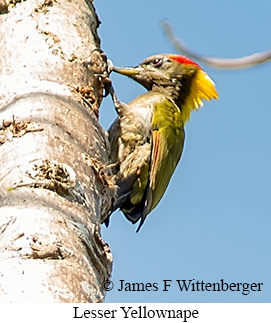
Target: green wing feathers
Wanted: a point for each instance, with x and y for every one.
(167, 145)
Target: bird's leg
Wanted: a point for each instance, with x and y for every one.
(115, 100)
(117, 103)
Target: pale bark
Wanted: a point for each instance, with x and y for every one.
(55, 189)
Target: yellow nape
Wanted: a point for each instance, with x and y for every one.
(202, 88)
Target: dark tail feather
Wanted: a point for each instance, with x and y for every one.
(116, 206)
(140, 225)
(106, 221)
(133, 213)
(121, 200)
(133, 217)
(143, 218)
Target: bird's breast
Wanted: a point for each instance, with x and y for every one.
(135, 124)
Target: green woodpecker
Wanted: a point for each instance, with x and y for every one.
(147, 138)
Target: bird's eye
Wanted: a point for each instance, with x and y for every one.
(157, 62)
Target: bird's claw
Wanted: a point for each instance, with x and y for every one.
(108, 88)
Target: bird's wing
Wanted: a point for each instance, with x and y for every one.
(166, 149)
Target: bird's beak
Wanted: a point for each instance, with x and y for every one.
(128, 71)
(136, 73)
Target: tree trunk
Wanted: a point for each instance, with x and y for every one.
(55, 189)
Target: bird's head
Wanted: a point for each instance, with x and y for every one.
(178, 75)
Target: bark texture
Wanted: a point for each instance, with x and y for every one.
(55, 189)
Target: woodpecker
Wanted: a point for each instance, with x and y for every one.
(148, 135)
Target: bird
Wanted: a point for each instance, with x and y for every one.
(147, 138)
